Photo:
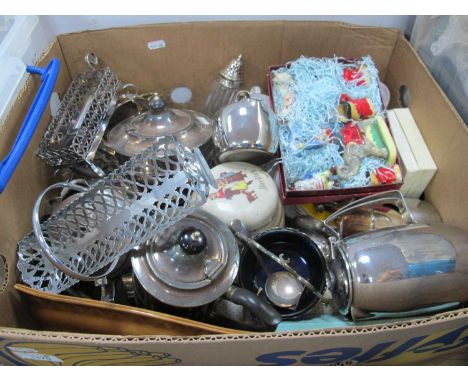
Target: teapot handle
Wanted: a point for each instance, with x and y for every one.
(242, 94)
(388, 197)
(255, 305)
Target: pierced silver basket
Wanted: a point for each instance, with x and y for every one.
(142, 197)
(74, 134)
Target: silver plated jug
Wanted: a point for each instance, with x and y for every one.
(397, 269)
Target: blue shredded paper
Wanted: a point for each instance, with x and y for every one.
(309, 138)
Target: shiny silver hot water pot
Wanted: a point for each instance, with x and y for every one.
(397, 269)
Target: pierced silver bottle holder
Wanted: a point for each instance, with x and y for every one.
(74, 134)
(142, 197)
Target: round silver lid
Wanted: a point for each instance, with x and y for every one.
(172, 273)
(133, 135)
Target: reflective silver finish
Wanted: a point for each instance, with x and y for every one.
(246, 131)
(74, 134)
(279, 260)
(116, 214)
(182, 279)
(66, 197)
(401, 269)
(232, 75)
(133, 135)
(396, 269)
(130, 104)
(225, 87)
(422, 212)
(283, 289)
(394, 198)
(192, 241)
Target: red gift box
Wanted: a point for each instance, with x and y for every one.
(322, 196)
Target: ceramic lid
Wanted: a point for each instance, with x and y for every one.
(189, 275)
(135, 134)
(244, 192)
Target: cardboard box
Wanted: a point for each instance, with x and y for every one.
(193, 54)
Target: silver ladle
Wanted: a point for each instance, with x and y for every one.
(252, 243)
(283, 289)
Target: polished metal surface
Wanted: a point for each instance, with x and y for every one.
(232, 75)
(224, 88)
(422, 212)
(245, 130)
(67, 196)
(283, 289)
(133, 135)
(392, 197)
(116, 214)
(401, 269)
(278, 259)
(176, 267)
(192, 241)
(180, 279)
(74, 134)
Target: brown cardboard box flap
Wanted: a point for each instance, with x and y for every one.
(410, 342)
(442, 128)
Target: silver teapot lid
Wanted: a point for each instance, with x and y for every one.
(135, 134)
(190, 264)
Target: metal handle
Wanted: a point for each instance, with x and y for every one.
(43, 243)
(49, 76)
(255, 305)
(128, 90)
(388, 197)
(91, 60)
(242, 94)
(270, 166)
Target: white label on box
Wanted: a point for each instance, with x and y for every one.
(157, 44)
(33, 354)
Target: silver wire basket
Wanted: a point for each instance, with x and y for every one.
(74, 134)
(142, 197)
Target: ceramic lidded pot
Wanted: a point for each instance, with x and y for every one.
(247, 193)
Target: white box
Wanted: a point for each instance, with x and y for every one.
(419, 167)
